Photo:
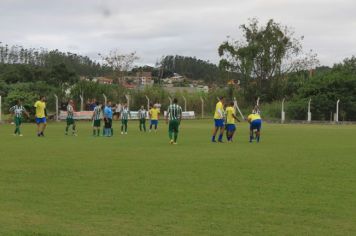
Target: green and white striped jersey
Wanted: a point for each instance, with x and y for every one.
(97, 113)
(70, 112)
(125, 113)
(18, 110)
(142, 114)
(174, 112)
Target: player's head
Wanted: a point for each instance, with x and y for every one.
(142, 107)
(175, 100)
(232, 104)
(70, 101)
(109, 104)
(18, 102)
(42, 98)
(221, 99)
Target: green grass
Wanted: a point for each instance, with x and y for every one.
(300, 180)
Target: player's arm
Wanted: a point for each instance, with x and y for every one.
(26, 112)
(235, 117)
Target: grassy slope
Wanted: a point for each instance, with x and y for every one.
(300, 180)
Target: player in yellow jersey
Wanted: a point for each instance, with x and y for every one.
(230, 121)
(255, 124)
(41, 122)
(154, 115)
(219, 120)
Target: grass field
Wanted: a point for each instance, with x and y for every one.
(300, 180)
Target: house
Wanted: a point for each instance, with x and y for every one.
(103, 80)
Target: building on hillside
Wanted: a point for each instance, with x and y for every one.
(103, 80)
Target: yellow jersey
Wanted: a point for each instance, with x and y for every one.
(219, 111)
(230, 112)
(40, 109)
(154, 113)
(253, 117)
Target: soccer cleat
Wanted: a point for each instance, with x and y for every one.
(75, 135)
(175, 143)
(21, 135)
(125, 132)
(171, 142)
(122, 132)
(213, 141)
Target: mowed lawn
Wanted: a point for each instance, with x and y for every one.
(300, 180)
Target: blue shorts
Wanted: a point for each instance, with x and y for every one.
(154, 122)
(41, 120)
(219, 123)
(230, 127)
(256, 124)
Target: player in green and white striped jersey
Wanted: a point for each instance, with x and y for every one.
(125, 114)
(17, 111)
(174, 116)
(96, 119)
(70, 118)
(142, 114)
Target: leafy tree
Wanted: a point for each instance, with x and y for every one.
(264, 57)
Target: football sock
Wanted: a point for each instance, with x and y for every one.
(213, 138)
(94, 132)
(220, 137)
(170, 134)
(98, 132)
(175, 137)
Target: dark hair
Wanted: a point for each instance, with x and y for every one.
(97, 103)
(221, 98)
(175, 100)
(41, 97)
(232, 103)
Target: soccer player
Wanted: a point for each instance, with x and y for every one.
(17, 111)
(96, 119)
(70, 118)
(255, 124)
(230, 121)
(142, 113)
(219, 120)
(154, 113)
(108, 114)
(41, 121)
(174, 116)
(125, 114)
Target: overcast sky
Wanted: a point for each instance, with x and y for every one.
(154, 28)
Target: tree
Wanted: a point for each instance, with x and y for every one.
(120, 63)
(265, 56)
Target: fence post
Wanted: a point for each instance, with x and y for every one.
(105, 99)
(202, 107)
(337, 111)
(237, 107)
(283, 114)
(148, 102)
(57, 115)
(258, 101)
(309, 112)
(81, 102)
(185, 103)
(128, 101)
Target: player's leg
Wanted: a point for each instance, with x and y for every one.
(122, 126)
(16, 126)
(258, 132)
(221, 126)
(156, 125)
(140, 125)
(67, 126)
(170, 132)
(215, 130)
(126, 121)
(251, 134)
(44, 125)
(176, 131)
(151, 124)
(74, 128)
(144, 124)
